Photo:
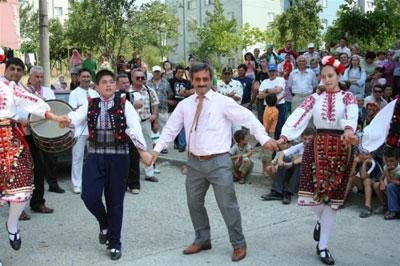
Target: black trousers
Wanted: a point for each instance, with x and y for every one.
(44, 168)
(133, 180)
(287, 180)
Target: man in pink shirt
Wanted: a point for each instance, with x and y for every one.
(207, 118)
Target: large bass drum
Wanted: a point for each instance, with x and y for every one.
(48, 136)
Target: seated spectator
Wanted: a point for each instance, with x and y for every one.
(388, 94)
(241, 152)
(354, 77)
(365, 174)
(362, 112)
(344, 59)
(60, 84)
(270, 120)
(392, 174)
(381, 60)
(288, 174)
(74, 81)
(376, 79)
(372, 110)
(376, 97)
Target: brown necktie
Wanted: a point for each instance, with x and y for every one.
(196, 118)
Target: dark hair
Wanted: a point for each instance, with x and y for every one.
(179, 67)
(102, 73)
(380, 52)
(391, 152)
(166, 61)
(84, 70)
(239, 135)
(197, 67)
(271, 99)
(308, 131)
(242, 66)
(379, 86)
(343, 38)
(344, 54)
(251, 55)
(15, 61)
(370, 55)
(121, 75)
(380, 69)
(264, 56)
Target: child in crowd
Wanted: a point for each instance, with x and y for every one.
(392, 185)
(270, 120)
(241, 152)
(60, 83)
(365, 174)
(362, 112)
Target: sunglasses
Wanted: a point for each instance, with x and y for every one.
(140, 78)
(378, 91)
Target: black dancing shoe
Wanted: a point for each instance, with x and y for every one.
(327, 259)
(115, 254)
(103, 238)
(317, 231)
(16, 242)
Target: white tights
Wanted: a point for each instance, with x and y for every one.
(326, 217)
(15, 211)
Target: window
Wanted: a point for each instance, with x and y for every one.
(323, 3)
(230, 15)
(58, 11)
(324, 23)
(208, 2)
(191, 4)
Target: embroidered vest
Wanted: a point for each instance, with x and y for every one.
(117, 118)
(393, 138)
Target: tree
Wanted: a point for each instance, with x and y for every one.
(29, 29)
(300, 23)
(58, 43)
(377, 29)
(249, 36)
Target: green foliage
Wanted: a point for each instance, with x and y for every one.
(58, 46)
(373, 30)
(300, 23)
(29, 29)
(249, 36)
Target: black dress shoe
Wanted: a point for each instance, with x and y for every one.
(327, 259)
(56, 189)
(16, 242)
(287, 198)
(317, 232)
(103, 238)
(272, 196)
(115, 254)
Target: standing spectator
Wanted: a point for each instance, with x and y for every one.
(168, 73)
(250, 62)
(74, 80)
(103, 64)
(376, 79)
(191, 61)
(314, 66)
(355, 50)
(260, 76)
(230, 87)
(344, 59)
(371, 110)
(285, 67)
(272, 57)
(355, 76)
(240, 153)
(75, 61)
(388, 94)
(90, 65)
(376, 97)
(362, 111)
(288, 49)
(275, 85)
(311, 54)
(247, 84)
(396, 74)
(60, 84)
(121, 63)
(77, 98)
(148, 115)
(369, 66)
(256, 53)
(342, 48)
(389, 69)
(302, 82)
(181, 88)
(381, 59)
(164, 93)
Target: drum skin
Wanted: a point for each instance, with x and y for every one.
(47, 134)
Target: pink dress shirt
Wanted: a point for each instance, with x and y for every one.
(213, 134)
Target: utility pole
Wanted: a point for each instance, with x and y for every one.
(44, 41)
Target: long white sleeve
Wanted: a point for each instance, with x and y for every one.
(351, 112)
(79, 115)
(29, 102)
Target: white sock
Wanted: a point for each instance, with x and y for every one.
(327, 221)
(318, 210)
(104, 231)
(15, 211)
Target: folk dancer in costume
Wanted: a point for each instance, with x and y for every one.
(15, 159)
(208, 131)
(327, 159)
(112, 121)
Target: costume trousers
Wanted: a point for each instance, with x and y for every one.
(106, 173)
(217, 172)
(78, 154)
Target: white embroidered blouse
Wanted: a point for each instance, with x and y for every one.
(329, 110)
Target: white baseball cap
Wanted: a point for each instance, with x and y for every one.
(156, 68)
(310, 45)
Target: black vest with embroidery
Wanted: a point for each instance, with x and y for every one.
(393, 138)
(117, 118)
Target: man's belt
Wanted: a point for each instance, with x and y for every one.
(144, 120)
(206, 157)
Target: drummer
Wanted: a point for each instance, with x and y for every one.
(112, 121)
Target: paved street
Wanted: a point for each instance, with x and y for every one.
(157, 227)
